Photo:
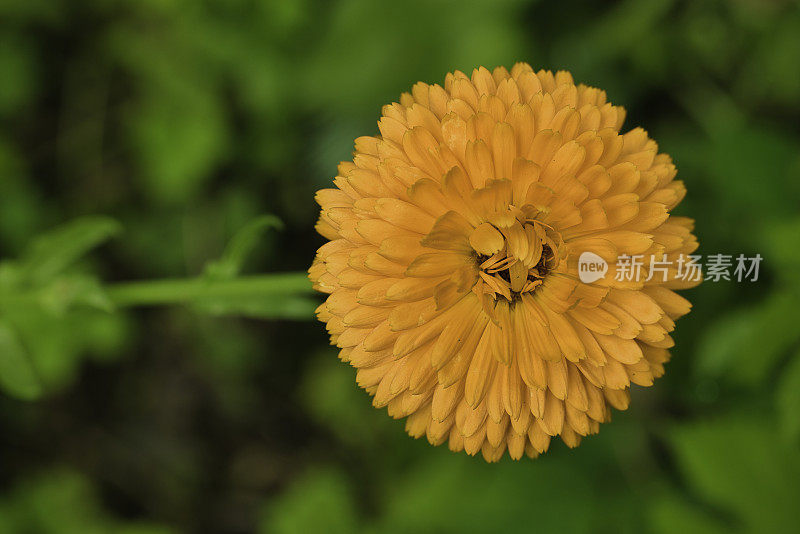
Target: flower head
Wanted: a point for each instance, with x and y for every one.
(452, 266)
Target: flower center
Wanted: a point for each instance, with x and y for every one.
(515, 256)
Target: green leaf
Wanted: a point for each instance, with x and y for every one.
(670, 514)
(745, 345)
(783, 249)
(10, 276)
(66, 292)
(322, 501)
(179, 132)
(736, 463)
(17, 374)
(774, 56)
(272, 306)
(333, 400)
(63, 501)
(53, 252)
(555, 493)
(57, 344)
(242, 244)
(788, 400)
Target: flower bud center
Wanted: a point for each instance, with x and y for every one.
(530, 250)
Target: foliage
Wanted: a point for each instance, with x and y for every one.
(63, 502)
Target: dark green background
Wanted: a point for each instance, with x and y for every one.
(184, 120)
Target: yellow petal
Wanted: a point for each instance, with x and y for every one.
(576, 390)
(481, 371)
(459, 321)
(565, 335)
(445, 400)
(557, 378)
(404, 215)
(552, 420)
(436, 264)
(504, 150)
(625, 351)
(450, 232)
(478, 163)
(486, 240)
(637, 303)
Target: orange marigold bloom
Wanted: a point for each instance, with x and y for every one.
(452, 265)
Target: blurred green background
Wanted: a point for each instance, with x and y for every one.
(184, 120)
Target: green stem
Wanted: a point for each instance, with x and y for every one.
(178, 291)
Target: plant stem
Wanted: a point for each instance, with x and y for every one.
(177, 291)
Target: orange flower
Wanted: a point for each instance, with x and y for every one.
(452, 266)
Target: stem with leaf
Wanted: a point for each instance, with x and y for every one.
(41, 287)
